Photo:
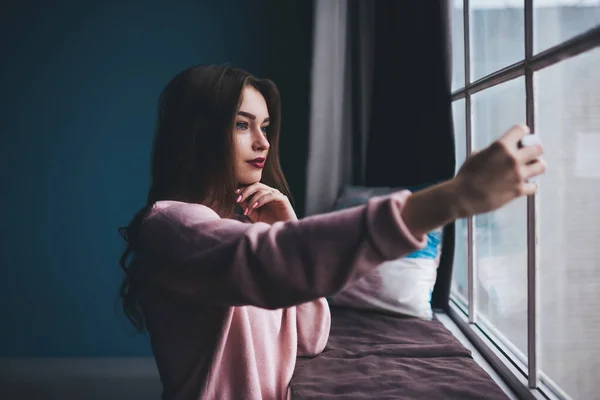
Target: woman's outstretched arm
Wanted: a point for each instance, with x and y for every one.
(189, 251)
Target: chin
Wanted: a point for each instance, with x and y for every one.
(249, 179)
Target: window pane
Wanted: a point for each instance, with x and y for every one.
(568, 119)
(458, 45)
(459, 281)
(496, 35)
(501, 236)
(558, 20)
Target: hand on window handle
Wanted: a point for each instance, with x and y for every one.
(487, 180)
(500, 173)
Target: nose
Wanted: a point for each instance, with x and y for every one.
(260, 142)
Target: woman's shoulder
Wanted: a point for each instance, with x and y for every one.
(182, 211)
(181, 218)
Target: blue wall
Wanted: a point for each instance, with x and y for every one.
(79, 83)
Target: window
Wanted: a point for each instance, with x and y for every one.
(526, 279)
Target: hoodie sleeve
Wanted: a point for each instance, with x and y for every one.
(313, 322)
(188, 251)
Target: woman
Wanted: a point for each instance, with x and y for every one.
(227, 281)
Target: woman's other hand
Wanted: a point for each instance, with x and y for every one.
(262, 203)
(499, 173)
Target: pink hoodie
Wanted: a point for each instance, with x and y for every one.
(230, 305)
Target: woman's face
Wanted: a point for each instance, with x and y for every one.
(250, 137)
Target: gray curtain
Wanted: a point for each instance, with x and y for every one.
(340, 99)
(380, 104)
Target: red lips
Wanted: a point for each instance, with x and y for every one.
(258, 162)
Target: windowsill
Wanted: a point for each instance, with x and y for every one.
(509, 374)
(451, 326)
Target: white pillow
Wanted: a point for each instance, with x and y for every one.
(403, 286)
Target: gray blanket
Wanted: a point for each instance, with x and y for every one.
(376, 356)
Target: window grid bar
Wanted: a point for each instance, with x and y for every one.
(467, 42)
(532, 281)
(471, 281)
(504, 75)
(570, 48)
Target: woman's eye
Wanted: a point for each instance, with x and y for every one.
(265, 129)
(241, 126)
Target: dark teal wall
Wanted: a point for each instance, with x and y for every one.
(79, 82)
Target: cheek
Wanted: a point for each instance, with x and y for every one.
(237, 145)
(240, 154)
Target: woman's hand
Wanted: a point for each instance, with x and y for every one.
(487, 180)
(499, 173)
(262, 203)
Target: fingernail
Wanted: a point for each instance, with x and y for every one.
(254, 205)
(238, 198)
(245, 211)
(237, 190)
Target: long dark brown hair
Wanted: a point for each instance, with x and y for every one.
(192, 153)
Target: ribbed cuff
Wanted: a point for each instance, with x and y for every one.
(387, 228)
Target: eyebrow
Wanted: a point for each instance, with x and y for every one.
(251, 116)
